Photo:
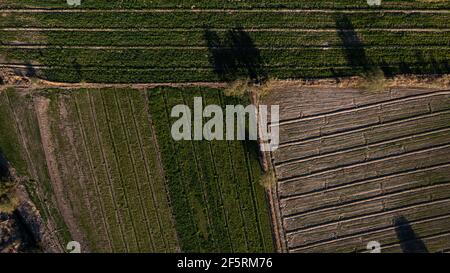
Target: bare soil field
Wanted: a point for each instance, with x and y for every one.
(356, 166)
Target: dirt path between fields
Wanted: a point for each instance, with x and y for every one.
(425, 81)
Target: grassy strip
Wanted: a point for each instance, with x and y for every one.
(305, 4)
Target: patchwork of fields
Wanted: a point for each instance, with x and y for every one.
(107, 173)
(102, 174)
(144, 41)
(355, 167)
(104, 170)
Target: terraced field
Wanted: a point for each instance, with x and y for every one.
(355, 167)
(143, 41)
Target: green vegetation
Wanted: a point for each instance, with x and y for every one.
(149, 46)
(217, 201)
(112, 177)
(107, 167)
(196, 38)
(304, 4)
(8, 201)
(20, 144)
(187, 19)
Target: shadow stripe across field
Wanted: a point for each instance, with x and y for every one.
(173, 34)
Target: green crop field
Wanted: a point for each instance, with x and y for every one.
(105, 177)
(96, 154)
(218, 202)
(20, 143)
(144, 41)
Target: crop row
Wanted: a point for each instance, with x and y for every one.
(132, 75)
(197, 38)
(245, 4)
(200, 58)
(170, 20)
(209, 184)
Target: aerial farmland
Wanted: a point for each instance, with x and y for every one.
(90, 97)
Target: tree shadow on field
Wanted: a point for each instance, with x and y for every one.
(409, 242)
(355, 53)
(28, 71)
(235, 55)
(419, 62)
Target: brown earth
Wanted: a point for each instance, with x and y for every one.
(356, 166)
